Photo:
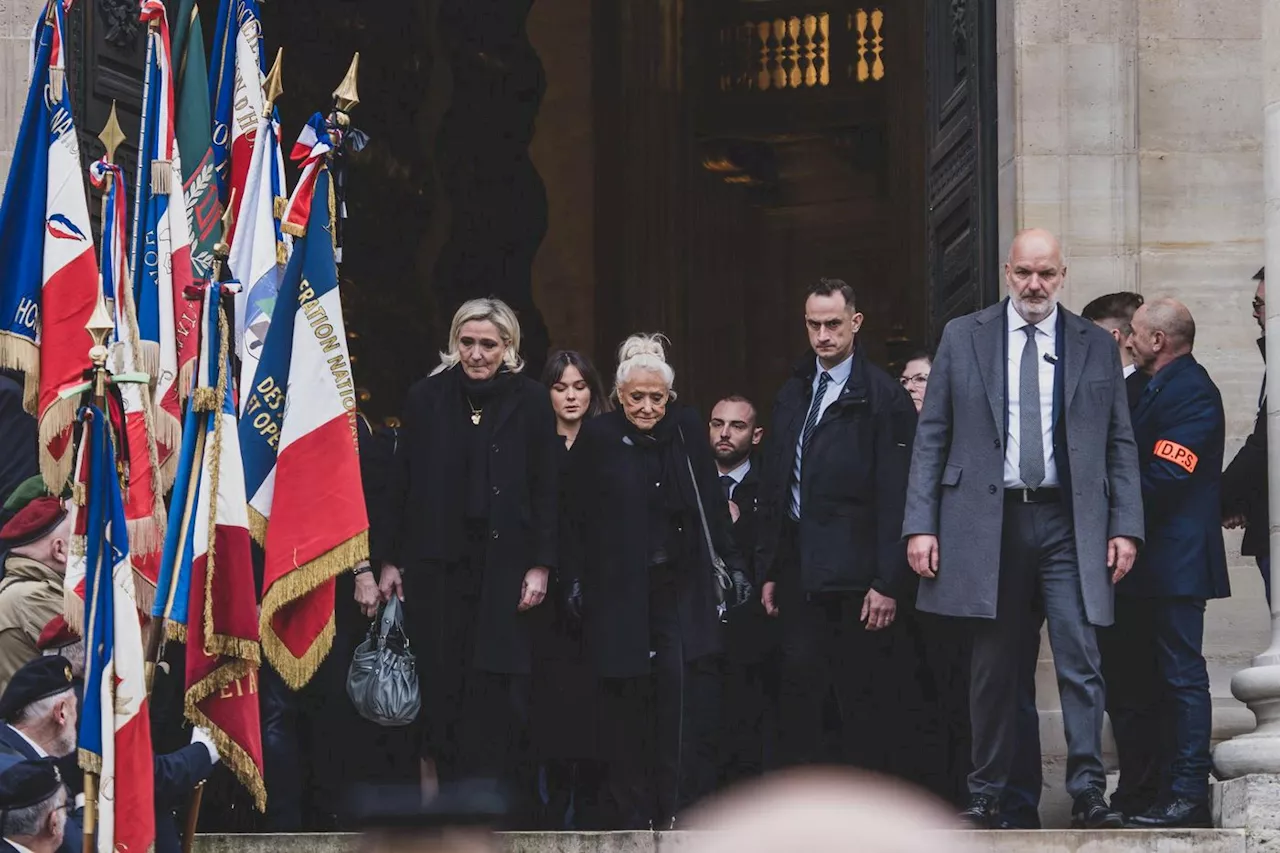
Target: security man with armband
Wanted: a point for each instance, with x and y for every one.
(1162, 723)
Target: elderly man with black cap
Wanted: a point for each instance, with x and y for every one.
(39, 716)
(38, 539)
(33, 808)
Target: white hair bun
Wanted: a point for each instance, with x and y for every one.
(643, 345)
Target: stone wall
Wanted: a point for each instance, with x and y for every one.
(1133, 128)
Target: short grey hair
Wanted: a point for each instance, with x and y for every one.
(644, 351)
(494, 311)
(30, 822)
(39, 709)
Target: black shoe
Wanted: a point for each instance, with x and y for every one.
(1092, 812)
(1178, 812)
(983, 812)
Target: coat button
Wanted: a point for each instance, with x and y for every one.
(497, 491)
(991, 489)
(996, 444)
(495, 448)
(495, 534)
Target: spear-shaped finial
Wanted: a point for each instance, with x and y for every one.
(99, 327)
(345, 97)
(273, 88)
(222, 248)
(112, 136)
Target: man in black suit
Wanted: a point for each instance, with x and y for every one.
(1114, 312)
(1244, 483)
(33, 801)
(735, 435)
(832, 492)
(1157, 681)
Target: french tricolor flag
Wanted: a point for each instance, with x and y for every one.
(115, 724)
(49, 275)
(236, 75)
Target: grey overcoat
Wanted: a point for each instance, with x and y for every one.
(956, 487)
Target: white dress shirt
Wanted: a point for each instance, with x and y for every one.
(17, 846)
(839, 376)
(1046, 343)
(1130, 370)
(738, 475)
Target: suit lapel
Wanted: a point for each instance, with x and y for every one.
(507, 403)
(1075, 351)
(989, 349)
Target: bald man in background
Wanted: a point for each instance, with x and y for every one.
(1158, 685)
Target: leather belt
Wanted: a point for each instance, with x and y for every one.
(1047, 495)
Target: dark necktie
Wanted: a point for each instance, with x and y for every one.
(815, 411)
(1030, 431)
(726, 483)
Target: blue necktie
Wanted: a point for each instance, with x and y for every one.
(815, 411)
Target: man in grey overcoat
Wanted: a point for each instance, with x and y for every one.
(1024, 481)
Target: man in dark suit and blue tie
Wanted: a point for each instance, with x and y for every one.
(1158, 685)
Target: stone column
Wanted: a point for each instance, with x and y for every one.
(1258, 752)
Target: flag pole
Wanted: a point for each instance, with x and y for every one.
(99, 327)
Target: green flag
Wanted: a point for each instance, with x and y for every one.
(195, 135)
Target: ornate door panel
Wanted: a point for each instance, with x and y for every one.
(961, 230)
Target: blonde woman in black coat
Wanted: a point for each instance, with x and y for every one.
(649, 596)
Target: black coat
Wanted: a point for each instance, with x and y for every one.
(608, 497)
(1244, 483)
(523, 507)
(745, 529)
(1180, 428)
(853, 483)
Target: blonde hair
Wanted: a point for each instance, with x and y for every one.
(500, 315)
(644, 351)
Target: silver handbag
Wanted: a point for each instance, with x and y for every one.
(383, 679)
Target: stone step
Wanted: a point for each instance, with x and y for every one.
(1042, 841)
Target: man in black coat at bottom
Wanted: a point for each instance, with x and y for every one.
(40, 714)
(33, 805)
(1157, 682)
(832, 495)
(750, 678)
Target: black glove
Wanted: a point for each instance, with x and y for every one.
(743, 590)
(571, 601)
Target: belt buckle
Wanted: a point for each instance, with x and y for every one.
(1026, 496)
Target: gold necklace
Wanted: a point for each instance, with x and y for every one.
(476, 414)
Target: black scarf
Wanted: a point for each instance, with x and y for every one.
(468, 463)
(663, 461)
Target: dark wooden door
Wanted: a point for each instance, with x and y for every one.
(962, 238)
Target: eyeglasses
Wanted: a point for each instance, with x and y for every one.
(919, 380)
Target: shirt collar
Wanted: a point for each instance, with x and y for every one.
(16, 846)
(1047, 326)
(1130, 370)
(840, 373)
(740, 473)
(40, 752)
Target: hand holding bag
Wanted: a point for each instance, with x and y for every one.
(383, 679)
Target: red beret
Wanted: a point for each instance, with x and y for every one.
(34, 521)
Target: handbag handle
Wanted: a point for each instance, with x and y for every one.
(722, 579)
(391, 617)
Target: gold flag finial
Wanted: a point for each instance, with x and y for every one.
(99, 327)
(112, 136)
(345, 97)
(273, 88)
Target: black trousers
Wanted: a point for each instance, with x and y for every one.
(748, 742)
(828, 652)
(1158, 699)
(659, 733)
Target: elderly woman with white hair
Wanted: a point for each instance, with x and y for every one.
(648, 514)
(478, 488)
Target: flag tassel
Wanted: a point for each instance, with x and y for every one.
(161, 176)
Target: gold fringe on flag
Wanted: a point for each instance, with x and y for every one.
(231, 753)
(297, 671)
(72, 604)
(161, 176)
(55, 422)
(144, 593)
(278, 204)
(57, 83)
(282, 254)
(293, 229)
(186, 379)
(159, 516)
(90, 762)
(258, 527)
(19, 353)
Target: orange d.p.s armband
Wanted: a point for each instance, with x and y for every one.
(1173, 452)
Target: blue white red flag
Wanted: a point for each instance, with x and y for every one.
(49, 275)
(206, 580)
(259, 250)
(168, 321)
(298, 430)
(236, 75)
(144, 496)
(115, 725)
